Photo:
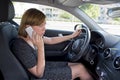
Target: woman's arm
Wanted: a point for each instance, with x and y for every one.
(59, 39)
(38, 70)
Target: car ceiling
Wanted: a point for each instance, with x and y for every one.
(70, 3)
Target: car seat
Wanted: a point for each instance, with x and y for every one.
(10, 67)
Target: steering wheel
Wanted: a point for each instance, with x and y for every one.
(78, 46)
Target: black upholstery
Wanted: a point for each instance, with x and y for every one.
(10, 67)
(6, 11)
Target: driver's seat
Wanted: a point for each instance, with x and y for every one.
(10, 67)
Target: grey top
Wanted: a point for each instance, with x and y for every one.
(25, 53)
(28, 57)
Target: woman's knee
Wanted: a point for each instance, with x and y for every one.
(79, 66)
(76, 69)
(79, 70)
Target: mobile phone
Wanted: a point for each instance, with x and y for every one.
(29, 31)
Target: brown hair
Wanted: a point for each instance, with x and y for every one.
(32, 17)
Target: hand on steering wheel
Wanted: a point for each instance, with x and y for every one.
(79, 45)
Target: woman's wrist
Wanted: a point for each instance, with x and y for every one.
(71, 36)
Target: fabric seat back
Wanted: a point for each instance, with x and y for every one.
(10, 67)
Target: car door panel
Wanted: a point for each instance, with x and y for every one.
(56, 49)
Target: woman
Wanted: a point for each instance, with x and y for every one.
(30, 51)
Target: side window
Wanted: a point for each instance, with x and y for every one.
(55, 18)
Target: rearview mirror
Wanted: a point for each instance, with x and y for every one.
(114, 12)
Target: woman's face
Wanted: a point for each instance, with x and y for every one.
(40, 29)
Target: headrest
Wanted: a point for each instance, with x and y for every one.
(6, 10)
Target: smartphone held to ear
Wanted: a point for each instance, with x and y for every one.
(29, 31)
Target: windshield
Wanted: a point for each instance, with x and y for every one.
(99, 14)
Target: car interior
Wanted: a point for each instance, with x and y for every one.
(95, 48)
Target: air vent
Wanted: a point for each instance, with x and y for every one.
(116, 63)
(107, 53)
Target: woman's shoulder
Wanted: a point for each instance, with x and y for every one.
(18, 41)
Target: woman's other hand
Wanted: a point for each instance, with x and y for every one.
(76, 33)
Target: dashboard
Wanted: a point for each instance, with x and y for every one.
(97, 39)
(108, 55)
